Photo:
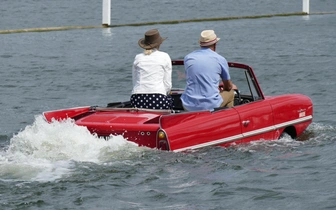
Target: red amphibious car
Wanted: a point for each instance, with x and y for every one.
(254, 117)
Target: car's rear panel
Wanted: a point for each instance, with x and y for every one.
(134, 125)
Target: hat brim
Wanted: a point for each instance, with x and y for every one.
(205, 44)
(143, 45)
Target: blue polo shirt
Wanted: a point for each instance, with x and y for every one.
(204, 70)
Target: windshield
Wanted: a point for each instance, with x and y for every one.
(178, 77)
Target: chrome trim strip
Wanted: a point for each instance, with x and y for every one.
(247, 134)
(211, 143)
(302, 119)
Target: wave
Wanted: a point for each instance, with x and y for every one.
(48, 151)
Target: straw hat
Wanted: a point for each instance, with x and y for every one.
(207, 38)
(151, 40)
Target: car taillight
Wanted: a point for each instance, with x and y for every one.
(162, 142)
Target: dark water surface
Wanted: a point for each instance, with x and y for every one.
(62, 166)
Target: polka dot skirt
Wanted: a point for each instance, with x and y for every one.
(151, 101)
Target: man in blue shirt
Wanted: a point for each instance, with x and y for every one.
(204, 68)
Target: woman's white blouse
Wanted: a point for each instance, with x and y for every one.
(152, 73)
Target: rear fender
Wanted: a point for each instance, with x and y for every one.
(194, 130)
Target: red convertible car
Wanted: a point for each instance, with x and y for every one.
(253, 117)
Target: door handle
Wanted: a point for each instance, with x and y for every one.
(246, 122)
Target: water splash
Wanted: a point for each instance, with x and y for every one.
(47, 151)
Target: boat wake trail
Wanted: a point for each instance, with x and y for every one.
(48, 151)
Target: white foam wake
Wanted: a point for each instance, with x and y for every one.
(47, 151)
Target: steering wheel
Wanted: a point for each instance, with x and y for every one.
(237, 97)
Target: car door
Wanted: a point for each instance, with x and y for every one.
(256, 120)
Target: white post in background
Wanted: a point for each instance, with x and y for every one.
(305, 6)
(106, 13)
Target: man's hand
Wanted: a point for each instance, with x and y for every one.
(234, 87)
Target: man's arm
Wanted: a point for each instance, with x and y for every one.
(228, 85)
